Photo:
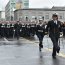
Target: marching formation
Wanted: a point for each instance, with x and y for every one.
(9, 30)
(53, 28)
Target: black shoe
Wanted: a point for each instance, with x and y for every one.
(40, 47)
(54, 56)
(58, 49)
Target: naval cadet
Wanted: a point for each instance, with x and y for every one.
(17, 29)
(40, 31)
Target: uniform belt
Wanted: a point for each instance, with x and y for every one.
(40, 30)
(23, 26)
(32, 26)
(28, 27)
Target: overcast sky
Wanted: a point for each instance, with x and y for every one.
(38, 3)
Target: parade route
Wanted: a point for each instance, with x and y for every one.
(28, 54)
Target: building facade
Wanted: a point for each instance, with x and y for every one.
(12, 5)
(25, 4)
(39, 13)
(2, 15)
(9, 10)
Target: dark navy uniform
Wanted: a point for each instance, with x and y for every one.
(17, 29)
(40, 31)
(20, 34)
(3, 30)
(12, 30)
(7, 30)
(23, 30)
(32, 29)
(54, 34)
(63, 28)
(28, 29)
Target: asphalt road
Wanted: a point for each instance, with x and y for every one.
(26, 52)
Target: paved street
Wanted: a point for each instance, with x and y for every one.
(27, 52)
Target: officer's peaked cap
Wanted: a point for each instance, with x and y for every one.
(55, 15)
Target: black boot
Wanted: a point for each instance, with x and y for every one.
(40, 46)
(54, 56)
(58, 49)
(54, 53)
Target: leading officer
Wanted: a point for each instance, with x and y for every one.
(54, 27)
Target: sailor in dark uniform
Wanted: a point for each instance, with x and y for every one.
(54, 27)
(2, 30)
(32, 29)
(12, 30)
(40, 31)
(63, 29)
(20, 30)
(28, 30)
(8, 30)
(23, 30)
(17, 29)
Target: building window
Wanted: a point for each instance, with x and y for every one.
(43, 17)
(26, 18)
(26, 4)
(40, 17)
(33, 18)
(47, 16)
(61, 16)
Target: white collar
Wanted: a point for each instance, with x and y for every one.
(55, 21)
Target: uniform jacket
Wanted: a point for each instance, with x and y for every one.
(40, 29)
(53, 28)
